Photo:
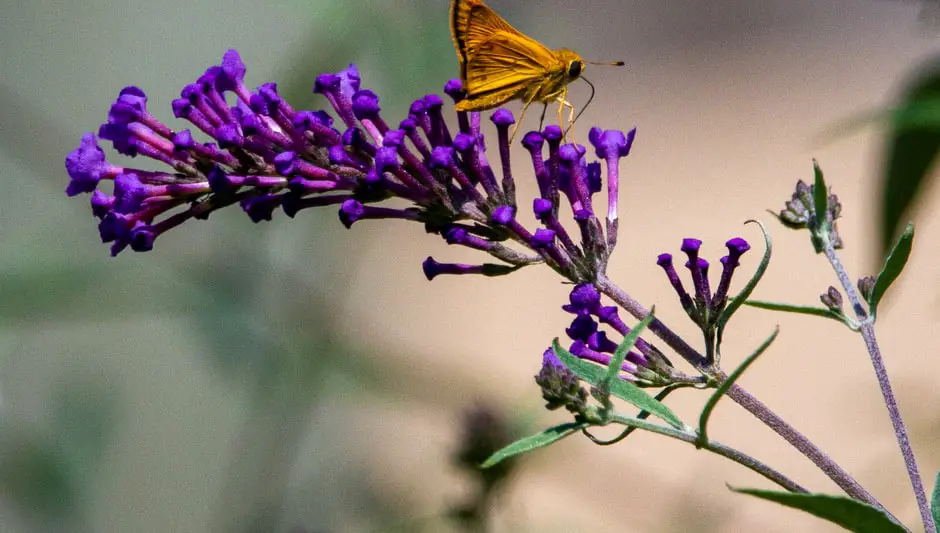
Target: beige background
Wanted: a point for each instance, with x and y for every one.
(293, 373)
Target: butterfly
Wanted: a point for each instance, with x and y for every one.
(498, 63)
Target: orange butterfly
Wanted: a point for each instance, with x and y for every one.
(498, 63)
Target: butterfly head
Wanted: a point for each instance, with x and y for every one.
(574, 65)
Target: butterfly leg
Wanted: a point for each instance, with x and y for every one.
(563, 103)
(516, 125)
(542, 119)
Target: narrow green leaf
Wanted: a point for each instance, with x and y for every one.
(935, 501)
(851, 514)
(626, 391)
(912, 148)
(588, 372)
(620, 355)
(727, 383)
(643, 415)
(894, 264)
(742, 296)
(820, 201)
(789, 308)
(534, 442)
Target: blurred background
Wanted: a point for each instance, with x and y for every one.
(295, 376)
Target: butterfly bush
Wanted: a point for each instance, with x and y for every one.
(252, 148)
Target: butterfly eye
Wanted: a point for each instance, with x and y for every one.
(574, 69)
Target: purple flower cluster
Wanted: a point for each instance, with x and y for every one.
(263, 155)
(705, 307)
(645, 365)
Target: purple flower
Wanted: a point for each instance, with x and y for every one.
(560, 387)
(87, 166)
(263, 155)
(644, 365)
(705, 307)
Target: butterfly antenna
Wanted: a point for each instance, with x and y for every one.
(609, 64)
(585, 105)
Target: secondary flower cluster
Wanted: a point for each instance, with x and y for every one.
(645, 365)
(706, 306)
(264, 155)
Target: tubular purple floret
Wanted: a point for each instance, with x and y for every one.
(612, 145)
(553, 135)
(584, 298)
(699, 271)
(87, 166)
(598, 341)
(572, 181)
(353, 210)
(232, 75)
(455, 90)
(503, 119)
(736, 248)
(542, 208)
(582, 327)
(534, 142)
(503, 215)
(432, 269)
(439, 134)
(214, 98)
(458, 235)
(466, 144)
(665, 261)
(581, 350)
(691, 248)
(192, 93)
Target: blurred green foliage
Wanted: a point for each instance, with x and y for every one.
(912, 146)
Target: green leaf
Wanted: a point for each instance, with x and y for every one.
(851, 514)
(894, 264)
(911, 149)
(620, 355)
(626, 391)
(820, 202)
(534, 442)
(824, 312)
(935, 500)
(588, 372)
(741, 297)
(726, 384)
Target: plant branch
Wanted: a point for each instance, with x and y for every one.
(799, 441)
(714, 447)
(900, 430)
(751, 404)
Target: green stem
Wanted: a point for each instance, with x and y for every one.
(714, 447)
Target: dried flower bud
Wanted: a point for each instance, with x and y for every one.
(866, 285)
(832, 299)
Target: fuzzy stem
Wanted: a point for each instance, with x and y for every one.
(751, 404)
(799, 441)
(715, 447)
(867, 330)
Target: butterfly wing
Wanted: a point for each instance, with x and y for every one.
(503, 67)
(497, 62)
(471, 22)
